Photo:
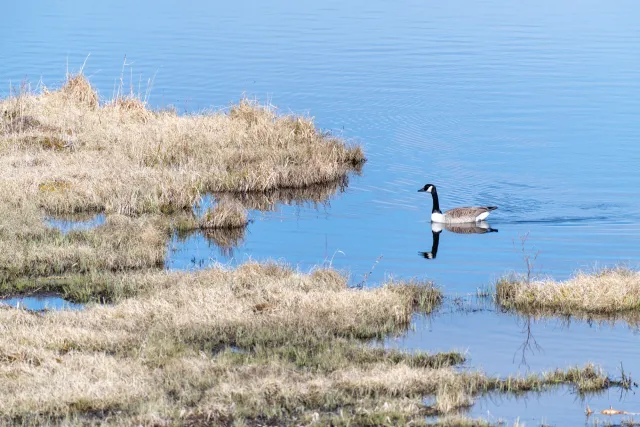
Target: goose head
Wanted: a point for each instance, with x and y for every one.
(429, 188)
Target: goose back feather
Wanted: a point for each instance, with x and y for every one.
(467, 214)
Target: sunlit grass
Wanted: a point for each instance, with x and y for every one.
(261, 343)
(603, 292)
(67, 151)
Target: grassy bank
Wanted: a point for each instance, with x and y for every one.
(70, 152)
(607, 292)
(258, 344)
(67, 151)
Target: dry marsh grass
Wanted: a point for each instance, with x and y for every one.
(29, 248)
(68, 152)
(605, 292)
(227, 213)
(258, 344)
(425, 296)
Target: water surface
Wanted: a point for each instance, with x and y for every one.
(40, 303)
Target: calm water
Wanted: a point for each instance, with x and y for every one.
(40, 302)
(76, 222)
(532, 107)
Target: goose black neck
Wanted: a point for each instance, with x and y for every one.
(436, 202)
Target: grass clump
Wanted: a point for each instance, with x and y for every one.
(261, 343)
(28, 248)
(604, 292)
(66, 151)
(127, 158)
(227, 213)
(424, 296)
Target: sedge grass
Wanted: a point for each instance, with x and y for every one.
(261, 343)
(67, 151)
(606, 292)
(225, 214)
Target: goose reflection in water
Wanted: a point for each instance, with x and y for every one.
(480, 227)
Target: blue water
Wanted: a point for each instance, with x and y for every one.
(531, 106)
(40, 302)
(75, 223)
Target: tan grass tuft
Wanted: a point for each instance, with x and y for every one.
(607, 291)
(131, 107)
(77, 89)
(225, 214)
(422, 296)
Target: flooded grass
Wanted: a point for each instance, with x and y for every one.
(67, 223)
(102, 287)
(261, 343)
(67, 152)
(556, 407)
(424, 294)
(607, 292)
(225, 214)
(29, 248)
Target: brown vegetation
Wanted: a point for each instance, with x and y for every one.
(227, 213)
(66, 151)
(605, 292)
(258, 344)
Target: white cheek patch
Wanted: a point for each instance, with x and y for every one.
(429, 189)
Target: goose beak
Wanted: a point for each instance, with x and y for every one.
(422, 190)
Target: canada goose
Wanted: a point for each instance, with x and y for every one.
(455, 215)
(480, 227)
